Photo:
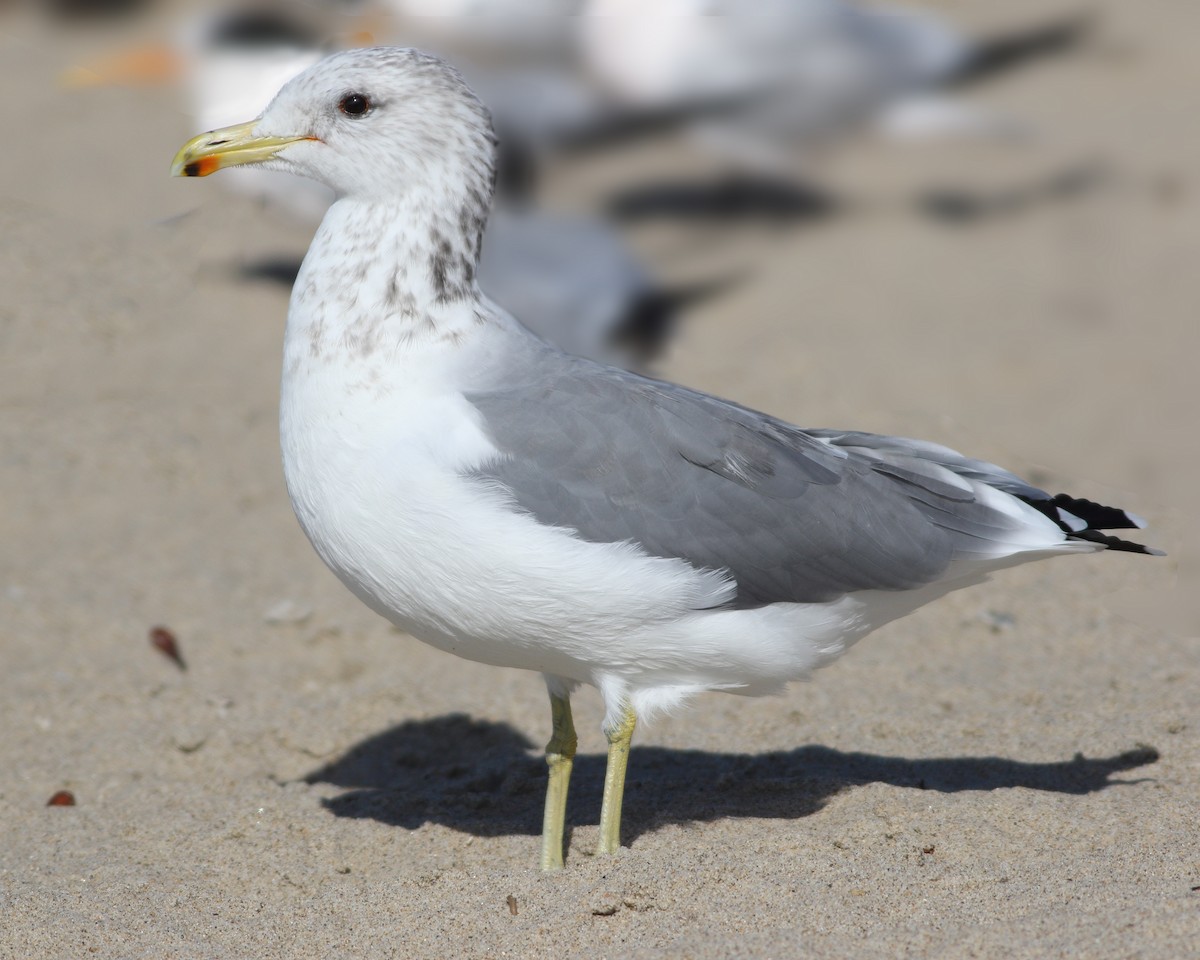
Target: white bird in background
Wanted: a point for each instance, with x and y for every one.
(513, 27)
(808, 71)
(518, 506)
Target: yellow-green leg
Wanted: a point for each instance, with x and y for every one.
(619, 738)
(560, 756)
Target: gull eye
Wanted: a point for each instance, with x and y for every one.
(354, 105)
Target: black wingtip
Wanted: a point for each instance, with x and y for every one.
(1096, 515)
(650, 320)
(1082, 519)
(1116, 543)
(281, 270)
(993, 56)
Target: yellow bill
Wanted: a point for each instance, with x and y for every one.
(227, 147)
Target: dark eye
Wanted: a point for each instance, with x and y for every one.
(354, 104)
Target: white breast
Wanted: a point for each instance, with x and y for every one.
(377, 457)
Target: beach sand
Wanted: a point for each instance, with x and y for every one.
(1011, 772)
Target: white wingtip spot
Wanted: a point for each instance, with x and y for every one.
(1137, 521)
(1072, 521)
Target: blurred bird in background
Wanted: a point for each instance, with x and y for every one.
(798, 76)
(759, 87)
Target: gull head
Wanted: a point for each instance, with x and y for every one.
(372, 123)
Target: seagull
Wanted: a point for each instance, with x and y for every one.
(809, 70)
(519, 506)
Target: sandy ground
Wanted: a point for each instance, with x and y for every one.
(1012, 772)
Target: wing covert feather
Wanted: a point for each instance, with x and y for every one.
(793, 515)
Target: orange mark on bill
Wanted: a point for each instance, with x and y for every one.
(203, 167)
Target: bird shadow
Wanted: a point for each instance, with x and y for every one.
(487, 779)
(957, 207)
(735, 198)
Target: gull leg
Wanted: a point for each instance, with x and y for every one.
(560, 756)
(619, 738)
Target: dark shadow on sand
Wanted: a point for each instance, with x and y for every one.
(730, 199)
(487, 779)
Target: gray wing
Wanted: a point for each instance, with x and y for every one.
(793, 515)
